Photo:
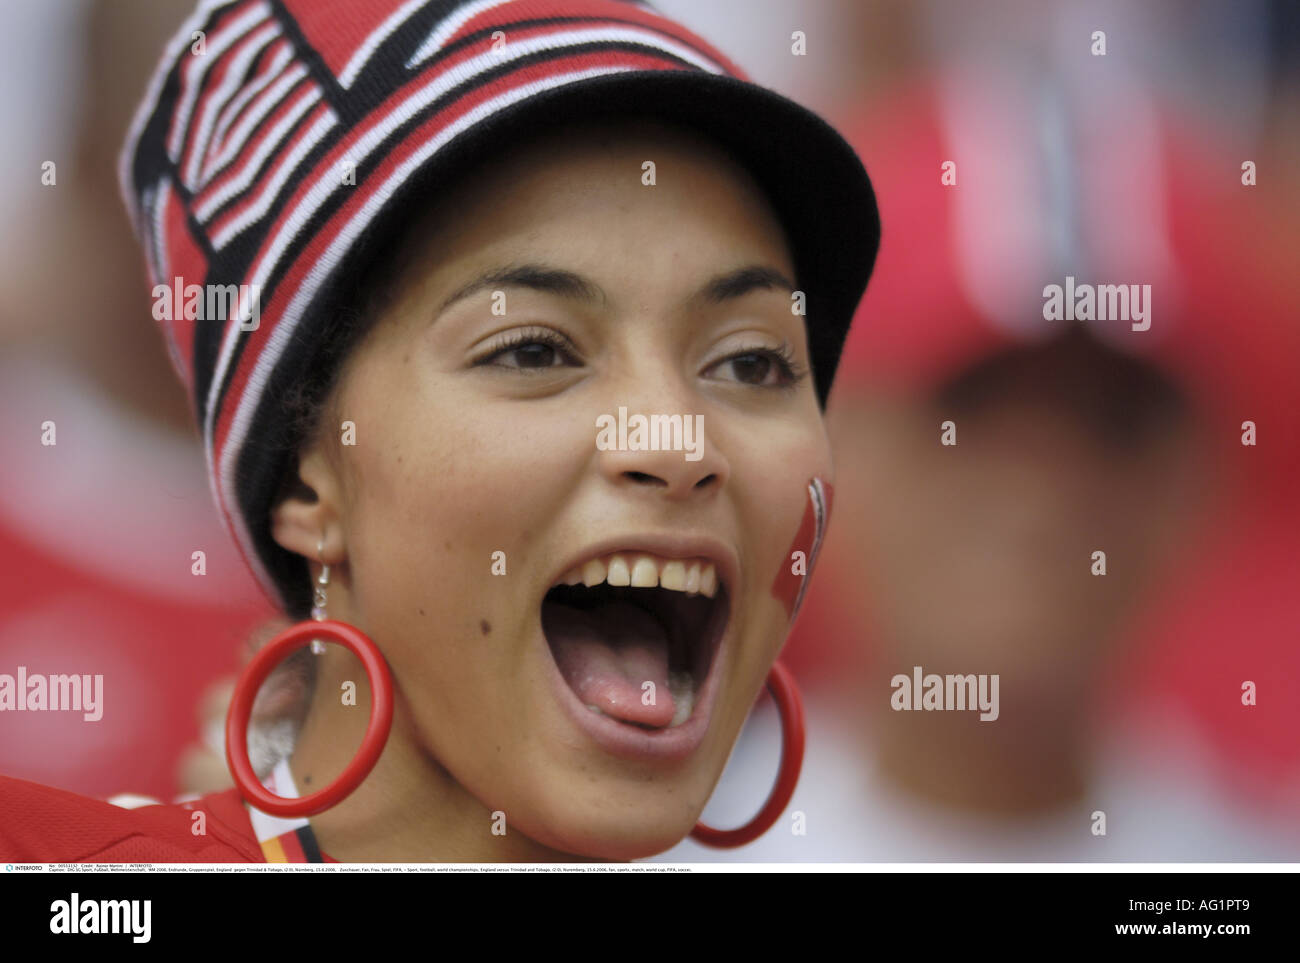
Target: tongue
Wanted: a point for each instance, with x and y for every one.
(608, 653)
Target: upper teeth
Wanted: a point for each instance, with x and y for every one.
(692, 576)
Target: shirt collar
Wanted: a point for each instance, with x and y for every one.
(284, 840)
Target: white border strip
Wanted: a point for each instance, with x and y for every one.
(197, 67)
(240, 181)
(258, 208)
(448, 28)
(273, 70)
(254, 44)
(357, 62)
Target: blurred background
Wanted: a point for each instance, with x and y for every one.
(1120, 693)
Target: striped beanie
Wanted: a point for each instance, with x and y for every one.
(279, 139)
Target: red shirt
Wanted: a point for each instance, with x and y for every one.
(41, 824)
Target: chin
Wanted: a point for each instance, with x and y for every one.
(608, 816)
(620, 837)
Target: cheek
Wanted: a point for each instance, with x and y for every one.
(445, 530)
(447, 514)
(448, 491)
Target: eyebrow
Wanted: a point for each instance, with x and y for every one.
(566, 284)
(742, 281)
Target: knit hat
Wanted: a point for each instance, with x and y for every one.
(279, 139)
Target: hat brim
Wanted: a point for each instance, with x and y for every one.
(812, 177)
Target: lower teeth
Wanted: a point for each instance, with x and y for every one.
(682, 686)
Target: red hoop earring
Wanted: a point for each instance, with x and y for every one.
(789, 704)
(241, 711)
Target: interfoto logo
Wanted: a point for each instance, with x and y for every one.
(208, 302)
(75, 915)
(651, 433)
(55, 693)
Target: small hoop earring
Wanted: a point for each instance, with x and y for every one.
(790, 706)
(261, 666)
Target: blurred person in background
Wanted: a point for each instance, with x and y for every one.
(99, 530)
(1120, 694)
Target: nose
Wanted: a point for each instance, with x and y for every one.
(668, 453)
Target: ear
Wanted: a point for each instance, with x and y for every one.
(309, 509)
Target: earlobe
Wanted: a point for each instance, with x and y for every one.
(308, 510)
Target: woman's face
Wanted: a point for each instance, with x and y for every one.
(553, 291)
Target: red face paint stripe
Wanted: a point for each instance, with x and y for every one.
(789, 587)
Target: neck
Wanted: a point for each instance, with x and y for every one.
(409, 809)
(1032, 761)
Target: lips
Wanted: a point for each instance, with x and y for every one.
(635, 635)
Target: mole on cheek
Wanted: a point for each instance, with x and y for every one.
(486, 626)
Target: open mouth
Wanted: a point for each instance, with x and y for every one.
(635, 635)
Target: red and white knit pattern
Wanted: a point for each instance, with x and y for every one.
(235, 163)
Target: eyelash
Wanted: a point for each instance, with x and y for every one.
(783, 357)
(519, 339)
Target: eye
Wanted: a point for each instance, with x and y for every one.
(533, 350)
(762, 367)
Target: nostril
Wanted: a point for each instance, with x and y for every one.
(640, 476)
(706, 481)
